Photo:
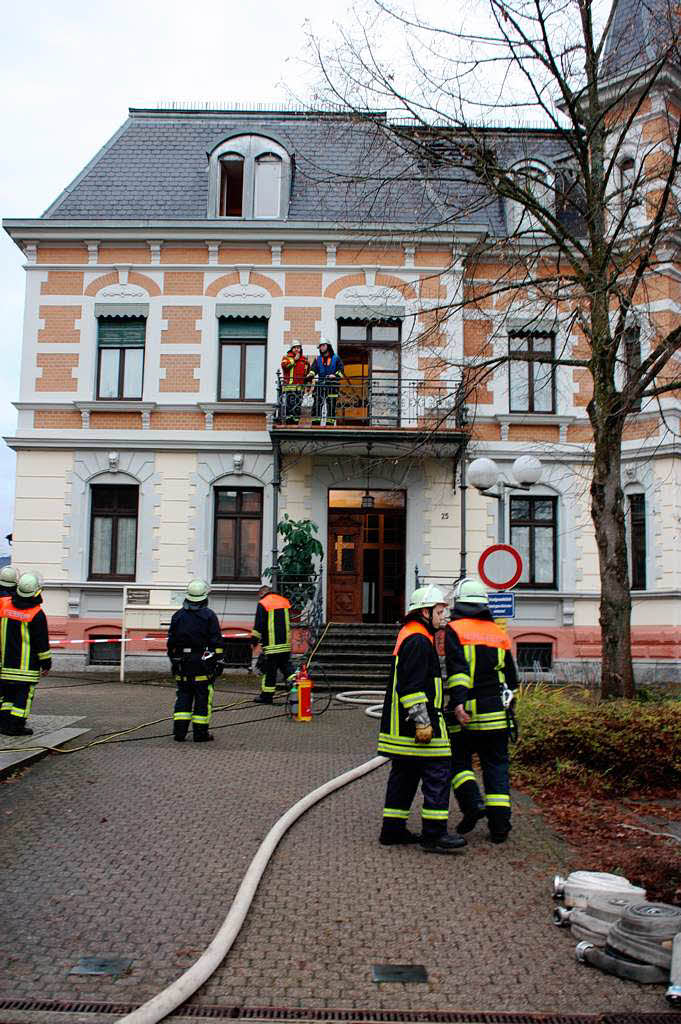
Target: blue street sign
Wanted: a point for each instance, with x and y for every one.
(502, 604)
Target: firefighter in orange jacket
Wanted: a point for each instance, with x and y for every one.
(272, 631)
(24, 653)
(413, 731)
(481, 678)
(295, 371)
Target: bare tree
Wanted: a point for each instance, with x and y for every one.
(578, 215)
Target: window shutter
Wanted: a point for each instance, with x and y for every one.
(121, 333)
(240, 329)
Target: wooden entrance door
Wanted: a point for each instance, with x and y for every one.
(345, 566)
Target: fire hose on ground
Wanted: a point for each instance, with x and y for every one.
(183, 987)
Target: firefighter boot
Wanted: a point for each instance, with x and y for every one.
(263, 698)
(201, 734)
(18, 727)
(396, 835)
(470, 819)
(180, 731)
(442, 843)
(5, 723)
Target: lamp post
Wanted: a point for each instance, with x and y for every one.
(485, 474)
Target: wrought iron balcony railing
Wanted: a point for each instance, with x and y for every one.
(379, 402)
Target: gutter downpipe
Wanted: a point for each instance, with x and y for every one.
(182, 988)
(276, 484)
(464, 487)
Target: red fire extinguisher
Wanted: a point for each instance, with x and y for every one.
(304, 685)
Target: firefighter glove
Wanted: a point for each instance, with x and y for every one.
(424, 733)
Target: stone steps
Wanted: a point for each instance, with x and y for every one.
(354, 656)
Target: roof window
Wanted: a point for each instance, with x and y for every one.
(250, 179)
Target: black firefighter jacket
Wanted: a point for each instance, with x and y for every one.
(478, 662)
(194, 629)
(24, 642)
(415, 679)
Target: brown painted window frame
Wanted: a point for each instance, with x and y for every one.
(242, 345)
(115, 515)
(532, 523)
(238, 516)
(638, 548)
(223, 187)
(121, 349)
(529, 363)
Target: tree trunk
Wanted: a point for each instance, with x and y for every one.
(607, 513)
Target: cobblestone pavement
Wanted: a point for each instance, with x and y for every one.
(136, 849)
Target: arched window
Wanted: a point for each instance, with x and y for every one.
(629, 196)
(537, 181)
(231, 185)
(250, 177)
(267, 199)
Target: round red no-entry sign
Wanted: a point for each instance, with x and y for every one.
(500, 566)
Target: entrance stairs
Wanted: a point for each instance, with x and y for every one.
(354, 655)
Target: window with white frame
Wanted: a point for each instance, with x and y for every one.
(250, 177)
(120, 357)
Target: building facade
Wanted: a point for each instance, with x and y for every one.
(163, 288)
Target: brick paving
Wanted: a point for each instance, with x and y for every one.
(137, 849)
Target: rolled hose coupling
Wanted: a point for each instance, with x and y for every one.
(581, 950)
(561, 917)
(558, 887)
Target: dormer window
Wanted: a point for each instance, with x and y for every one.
(250, 178)
(536, 180)
(231, 185)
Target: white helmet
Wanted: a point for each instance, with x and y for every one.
(28, 585)
(470, 591)
(425, 597)
(197, 591)
(8, 576)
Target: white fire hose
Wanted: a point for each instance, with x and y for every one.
(183, 987)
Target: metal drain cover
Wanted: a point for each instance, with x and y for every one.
(113, 965)
(399, 972)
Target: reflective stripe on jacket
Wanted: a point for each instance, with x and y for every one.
(294, 372)
(24, 641)
(415, 679)
(272, 626)
(479, 665)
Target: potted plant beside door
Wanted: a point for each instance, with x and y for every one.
(297, 568)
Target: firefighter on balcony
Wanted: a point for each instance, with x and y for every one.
(24, 653)
(295, 370)
(413, 731)
(272, 631)
(194, 649)
(8, 581)
(327, 370)
(481, 678)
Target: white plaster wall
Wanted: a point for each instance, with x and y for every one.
(40, 510)
(172, 562)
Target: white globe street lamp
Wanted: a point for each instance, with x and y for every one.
(485, 474)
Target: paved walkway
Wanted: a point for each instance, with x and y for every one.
(136, 850)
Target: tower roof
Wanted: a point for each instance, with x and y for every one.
(640, 32)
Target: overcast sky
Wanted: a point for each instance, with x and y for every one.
(68, 75)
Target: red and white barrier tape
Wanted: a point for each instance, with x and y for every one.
(130, 639)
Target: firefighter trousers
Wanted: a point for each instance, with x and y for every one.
(274, 664)
(193, 703)
(434, 774)
(325, 395)
(15, 705)
(491, 746)
(293, 403)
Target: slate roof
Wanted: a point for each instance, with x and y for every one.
(155, 168)
(639, 32)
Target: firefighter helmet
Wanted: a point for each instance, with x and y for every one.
(28, 585)
(425, 597)
(197, 591)
(470, 591)
(8, 576)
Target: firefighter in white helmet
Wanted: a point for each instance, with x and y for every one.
(8, 581)
(413, 731)
(194, 649)
(24, 653)
(481, 678)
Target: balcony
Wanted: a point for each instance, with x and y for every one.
(376, 409)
